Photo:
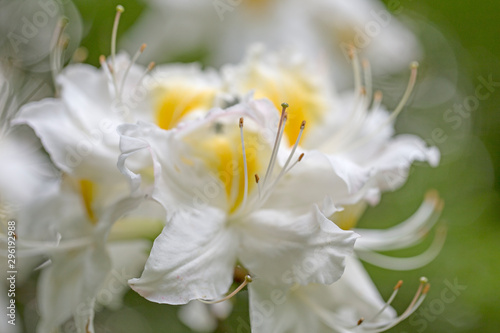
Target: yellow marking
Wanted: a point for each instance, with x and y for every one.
(304, 99)
(173, 102)
(87, 191)
(349, 217)
(223, 156)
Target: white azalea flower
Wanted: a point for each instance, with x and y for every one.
(224, 29)
(356, 128)
(220, 211)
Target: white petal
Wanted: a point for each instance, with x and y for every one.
(75, 147)
(193, 258)
(284, 248)
(197, 316)
(128, 259)
(390, 168)
(317, 308)
(72, 280)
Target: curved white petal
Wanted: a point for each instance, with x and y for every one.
(192, 258)
(69, 283)
(283, 248)
(318, 308)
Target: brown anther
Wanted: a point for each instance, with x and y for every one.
(303, 124)
(426, 289)
(239, 274)
(351, 51)
(360, 321)
(241, 122)
(300, 157)
(257, 178)
(398, 285)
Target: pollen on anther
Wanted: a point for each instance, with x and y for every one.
(241, 122)
(300, 157)
(398, 285)
(360, 321)
(303, 124)
(257, 178)
(426, 289)
(151, 65)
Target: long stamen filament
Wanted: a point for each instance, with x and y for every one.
(371, 326)
(279, 135)
(119, 11)
(245, 166)
(411, 84)
(132, 62)
(284, 170)
(112, 66)
(368, 81)
(247, 280)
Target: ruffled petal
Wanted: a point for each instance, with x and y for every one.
(193, 258)
(284, 248)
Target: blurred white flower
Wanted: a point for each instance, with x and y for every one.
(319, 29)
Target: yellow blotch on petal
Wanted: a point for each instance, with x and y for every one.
(87, 191)
(304, 99)
(173, 102)
(349, 217)
(223, 155)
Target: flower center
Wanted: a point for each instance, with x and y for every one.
(222, 153)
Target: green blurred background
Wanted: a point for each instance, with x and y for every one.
(464, 48)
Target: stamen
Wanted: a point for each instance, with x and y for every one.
(132, 62)
(57, 45)
(377, 100)
(389, 301)
(417, 300)
(257, 182)
(248, 279)
(284, 169)
(394, 114)
(355, 68)
(245, 167)
(406, 95)
(274, 153)
(150, 67)
(119, 11)
(368, 80)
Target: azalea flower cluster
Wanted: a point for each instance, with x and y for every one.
(252, 176)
